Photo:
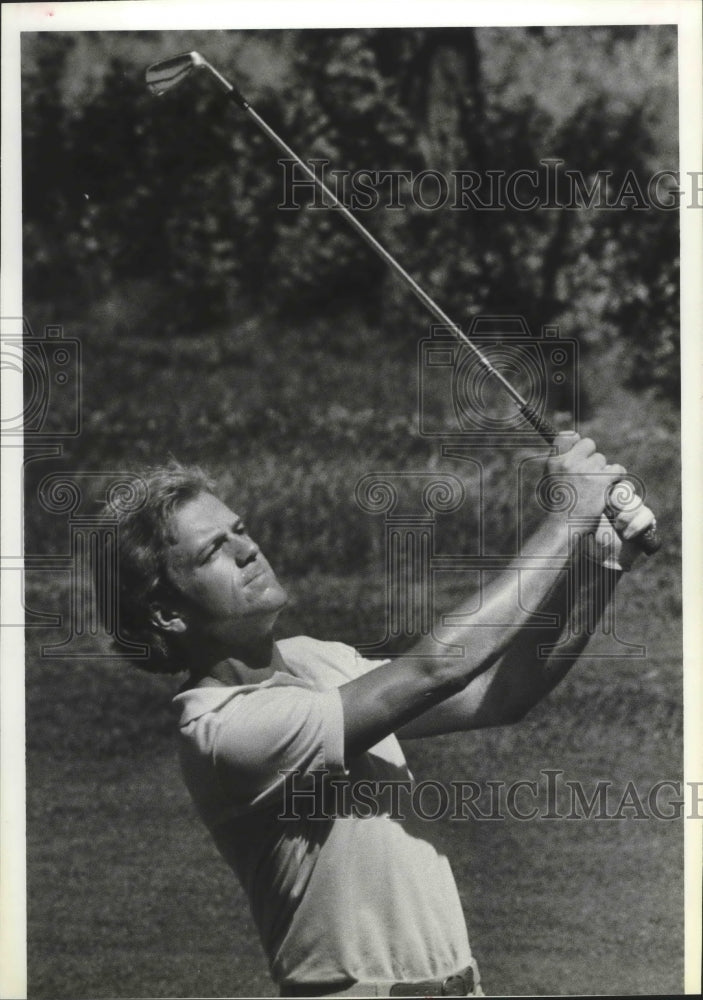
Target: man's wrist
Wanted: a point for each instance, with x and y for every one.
(610, 552)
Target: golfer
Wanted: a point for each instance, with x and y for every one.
(348, 901)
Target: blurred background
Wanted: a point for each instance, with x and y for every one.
(274, 348)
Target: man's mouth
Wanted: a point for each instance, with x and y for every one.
(254, 575)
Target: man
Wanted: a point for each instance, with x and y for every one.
(347, 901)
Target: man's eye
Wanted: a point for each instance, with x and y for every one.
(213, 550)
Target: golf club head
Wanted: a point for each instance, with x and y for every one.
(162, 76)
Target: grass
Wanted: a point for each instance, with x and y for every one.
(127, 896)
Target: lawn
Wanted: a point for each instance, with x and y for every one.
(127, 897)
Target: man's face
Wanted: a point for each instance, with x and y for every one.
(230, 593)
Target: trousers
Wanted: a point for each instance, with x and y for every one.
(451, 986)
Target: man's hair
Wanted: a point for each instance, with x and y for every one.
(142, 542)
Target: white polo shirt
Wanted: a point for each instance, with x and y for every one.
(338, 892)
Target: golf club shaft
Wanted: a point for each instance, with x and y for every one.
(647, 540)
(371, 240)
(540, 423)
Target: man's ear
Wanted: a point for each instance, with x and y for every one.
(166, 618)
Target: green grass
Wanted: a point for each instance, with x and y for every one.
(127, 897)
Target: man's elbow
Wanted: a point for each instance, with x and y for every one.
(495, 716)
(518, 714)
(510, 713)
(512, 716)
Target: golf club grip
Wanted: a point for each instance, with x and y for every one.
(648, 540)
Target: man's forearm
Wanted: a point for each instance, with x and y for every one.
(536, 659)
(384, 700)
(508, 603)
(540, 657)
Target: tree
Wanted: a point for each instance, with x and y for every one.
(178, 205)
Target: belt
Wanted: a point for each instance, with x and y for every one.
(461, 984)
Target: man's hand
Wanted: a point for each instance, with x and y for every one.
(592, 479)
(585, 471)
(612, 546)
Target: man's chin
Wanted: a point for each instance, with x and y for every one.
(276, 597)
(282, 596)
(269, 592)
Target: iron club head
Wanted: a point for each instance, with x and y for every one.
(162, 76)
(168, 73)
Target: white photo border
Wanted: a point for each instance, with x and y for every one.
(129, 15)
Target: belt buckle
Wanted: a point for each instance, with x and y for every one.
(455, 986)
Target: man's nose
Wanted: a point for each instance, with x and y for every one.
(245, 549)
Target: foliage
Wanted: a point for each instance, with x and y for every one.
(173, 205)
(221, 329)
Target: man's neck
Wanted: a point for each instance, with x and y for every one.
(243, 667)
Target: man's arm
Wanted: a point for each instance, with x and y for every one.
(506, 692)
(382, 701)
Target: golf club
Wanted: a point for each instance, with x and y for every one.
(168, 73)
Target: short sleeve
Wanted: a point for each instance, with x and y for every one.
(364, 666)
(355, 664)
(324, 664)
(264, 734)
